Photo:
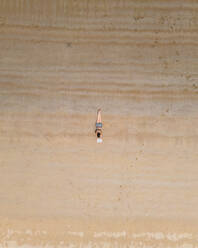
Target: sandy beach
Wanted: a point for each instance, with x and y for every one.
(59, 62)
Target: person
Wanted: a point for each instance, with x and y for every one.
(98, 129)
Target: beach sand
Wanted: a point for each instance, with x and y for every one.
(59, 62)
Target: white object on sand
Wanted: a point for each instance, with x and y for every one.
(99, 140)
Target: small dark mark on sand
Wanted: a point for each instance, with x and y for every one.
(69, 44)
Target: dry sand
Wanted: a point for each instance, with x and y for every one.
(61, 60)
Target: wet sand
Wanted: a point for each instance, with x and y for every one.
(59, 62)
